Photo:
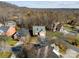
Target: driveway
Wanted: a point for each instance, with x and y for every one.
(62, 39)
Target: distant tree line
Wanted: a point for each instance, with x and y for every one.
(47, 17)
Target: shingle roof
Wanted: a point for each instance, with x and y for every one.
(22, 32)
(3, 28)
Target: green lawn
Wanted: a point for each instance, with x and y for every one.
(8, 40)
(11, 41)
(5, 54)
(51, 34)
(68, 27)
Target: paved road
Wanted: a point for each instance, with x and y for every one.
(62, 39)
(53, 55)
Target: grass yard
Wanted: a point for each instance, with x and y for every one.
(32, 40)
(68, 27)
(5, 54)
(11, 41)
(51, 34)
(8, 40)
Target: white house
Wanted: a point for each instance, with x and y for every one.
(64, 31)
(56, 49)
(56, 24)
(1, 24)
(3, 29)
(39, 30)
(10, 23)
(1, 32)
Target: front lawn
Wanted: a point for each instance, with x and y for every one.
(5, 54)
(8, 40)
(11, 41)
(68, 27)
(51, 34)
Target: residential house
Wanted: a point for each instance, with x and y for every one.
(55, 49)
(22, 34)
(1, 24)
(3, 29)
(64, 30)
(39, 30)
(10, 23)
(8, 31)
(55, 26)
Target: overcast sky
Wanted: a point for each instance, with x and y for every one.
(47, 4)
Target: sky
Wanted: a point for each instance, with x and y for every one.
(46, 4)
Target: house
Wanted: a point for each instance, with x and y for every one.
(63, 30)
(10, 23)
(1, 24)
(39, 30)
(1, 32)
(55, 26)
(55, 49)
(3, 29)
(8, 31)
(22, 34)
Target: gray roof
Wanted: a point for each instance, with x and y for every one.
(22, 32)
(3, 28)
(10, 22)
